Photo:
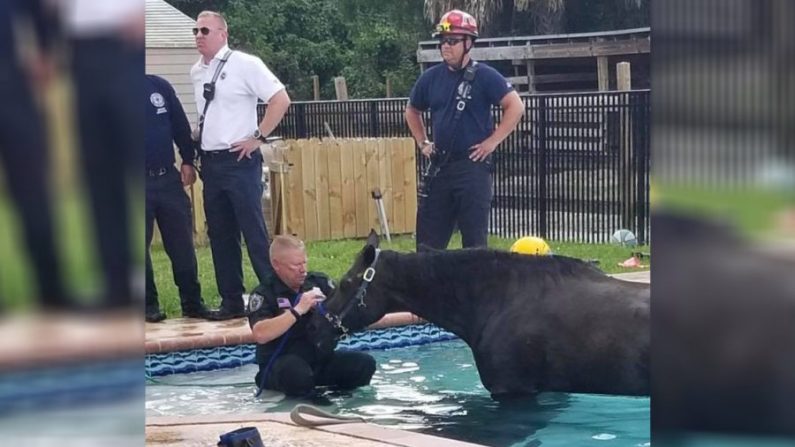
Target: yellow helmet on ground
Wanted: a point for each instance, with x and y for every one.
(531, 245)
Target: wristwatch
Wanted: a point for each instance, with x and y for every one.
(295, 314)
(258, 135)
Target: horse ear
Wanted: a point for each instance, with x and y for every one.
(372, 239)
(368, 254)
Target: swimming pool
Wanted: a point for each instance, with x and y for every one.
(432, 388)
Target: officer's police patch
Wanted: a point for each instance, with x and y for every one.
(254, 302)
(157, 100)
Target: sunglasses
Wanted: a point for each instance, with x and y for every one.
(452, 41)
(204, 30)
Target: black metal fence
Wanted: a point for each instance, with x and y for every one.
(576, 168)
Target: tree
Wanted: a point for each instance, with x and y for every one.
(192, 8)
(364, 40)
(384, 37)
(501, 17)
(295, 38)
(368, 41)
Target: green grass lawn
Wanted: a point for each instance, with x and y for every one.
(75, 239)
(335, 257)
(752, 211)
(75, 244)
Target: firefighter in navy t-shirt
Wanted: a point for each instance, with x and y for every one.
(458, 189)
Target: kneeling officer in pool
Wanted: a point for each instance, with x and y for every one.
(277, 313)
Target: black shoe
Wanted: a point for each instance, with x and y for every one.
(154, 316)
(197, 312)
(224, 314)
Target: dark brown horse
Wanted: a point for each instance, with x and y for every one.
(534, 323)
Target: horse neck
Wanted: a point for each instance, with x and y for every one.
(413, 288)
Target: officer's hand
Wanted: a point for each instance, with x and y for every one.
(41, 70)
(479, 152)
(188, 175)
(309, 300)
(427, 149)
(245, 147)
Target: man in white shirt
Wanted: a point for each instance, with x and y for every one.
(231, 163)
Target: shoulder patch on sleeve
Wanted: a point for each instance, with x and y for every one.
(254, 302)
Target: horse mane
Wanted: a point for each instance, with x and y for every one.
(451, 263)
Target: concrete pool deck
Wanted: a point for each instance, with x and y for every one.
(276, 429)
(182, 334)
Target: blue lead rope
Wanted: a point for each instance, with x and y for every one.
(264, 377)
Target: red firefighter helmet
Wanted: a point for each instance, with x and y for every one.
(456, 22)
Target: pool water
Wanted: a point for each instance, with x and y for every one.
(433, 389)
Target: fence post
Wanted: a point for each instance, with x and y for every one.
(602, 73)
(642, 152)
(300, 120)
(623, 76)
(316, 87)
(388, 87)
(542, 167)
(374, 128)
(624, 83)
(341, 88)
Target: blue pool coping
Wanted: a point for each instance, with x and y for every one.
(117, 380)
(224, 357)
(83, 384)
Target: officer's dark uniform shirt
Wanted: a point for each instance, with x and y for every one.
(166, 123)
(436, 90)
(273, 298)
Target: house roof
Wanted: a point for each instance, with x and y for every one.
(167, 27)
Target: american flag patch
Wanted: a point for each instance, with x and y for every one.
(284, 303)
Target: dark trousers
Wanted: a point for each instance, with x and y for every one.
(460, 194)
(294, 376)
(167, 203)
(233, 205)
(25, 159)
(109, 83)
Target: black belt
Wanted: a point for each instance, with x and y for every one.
(157, 172)
(219, 153)
(445, 157)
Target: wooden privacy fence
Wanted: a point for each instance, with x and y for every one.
(321, 189)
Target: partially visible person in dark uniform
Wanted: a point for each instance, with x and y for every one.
(166, 201)
(288, 360)
(24, 154)
(106, 40)
(231, 163)
(459, 187)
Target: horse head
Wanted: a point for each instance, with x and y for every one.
(354, 304)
